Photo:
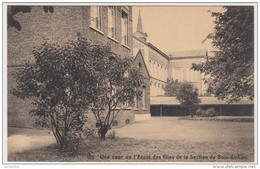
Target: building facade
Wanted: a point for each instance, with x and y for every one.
(100, 24)
(180, 64)
(155, 60)
(142, 108)
(173, 65)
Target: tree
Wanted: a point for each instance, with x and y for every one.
(60, 84)
(171, 87)
(117, 84)
(232, 65)
(67, 82)
(187, 95)
(13, 10)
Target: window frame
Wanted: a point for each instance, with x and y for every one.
(144, 106)
(97, 25)
(124, 38)
(112, 34)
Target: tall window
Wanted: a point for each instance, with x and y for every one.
(124, 21)
(154, 90)
(158, 71)
(144, 97)
(149, 66)
(96, 14)
(112, 21)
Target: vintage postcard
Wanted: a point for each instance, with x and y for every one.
(130, 83)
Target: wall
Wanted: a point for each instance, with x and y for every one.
(180, 69)
(140, 108)
(158, 74)
(64, 24)
(138, 45)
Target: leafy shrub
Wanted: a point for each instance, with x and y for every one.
(90, 132)
(210, 112)
(199, 112)
(111, 135)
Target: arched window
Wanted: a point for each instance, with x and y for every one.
(139, 64)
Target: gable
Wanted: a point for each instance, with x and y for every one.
(139, 60)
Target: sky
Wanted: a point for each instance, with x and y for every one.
(176, 28)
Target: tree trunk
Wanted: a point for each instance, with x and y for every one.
(103, 131)
(103, 135)
(191, 114)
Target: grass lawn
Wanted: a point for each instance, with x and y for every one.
(145, 150)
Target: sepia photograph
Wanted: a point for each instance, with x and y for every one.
(132, 83)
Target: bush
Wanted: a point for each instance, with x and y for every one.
(111, 135)
(90, 132)
(210, 112)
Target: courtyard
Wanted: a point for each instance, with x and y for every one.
(160, 139)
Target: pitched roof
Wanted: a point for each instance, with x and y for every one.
(140, 40)
(139, 54)
(161, 100)
(152, 46)
(158, 50)
(187, 53)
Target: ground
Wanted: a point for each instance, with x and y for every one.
(187, 130)
(159, 139)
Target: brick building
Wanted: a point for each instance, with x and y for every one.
(100, 24)
(162, 65)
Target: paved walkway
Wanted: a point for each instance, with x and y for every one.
(28, 139)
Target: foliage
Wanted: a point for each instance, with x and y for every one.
(171, 87)
(117, 84)
(13, 10)
(187, 95)
(60, 83)
(232, 66)
(67, 81)
(112, 135)
(90, 132)
(210, 112)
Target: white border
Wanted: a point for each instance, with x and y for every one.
(106, 2)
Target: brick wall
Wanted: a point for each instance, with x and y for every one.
(62, 25)
(119, 121)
